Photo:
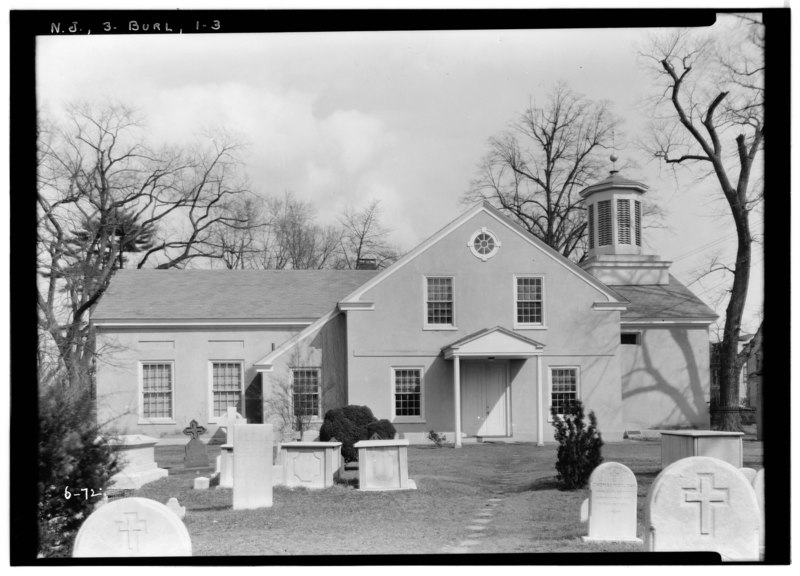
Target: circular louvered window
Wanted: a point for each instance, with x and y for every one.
(484, 244)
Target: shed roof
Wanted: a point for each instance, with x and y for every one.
(673, 301)
(226, 294)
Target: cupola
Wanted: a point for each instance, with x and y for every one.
(614, 212)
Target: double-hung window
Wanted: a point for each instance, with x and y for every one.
(305, 392)
(407, 394)
(157, 391)
(563, 387)
(439, 302)
(226, 387)
(528, 301)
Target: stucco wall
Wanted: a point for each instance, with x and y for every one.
(665, 379)
(393, 333)
(325, 349)
(122, 351)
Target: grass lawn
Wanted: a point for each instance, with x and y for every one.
(482, 498)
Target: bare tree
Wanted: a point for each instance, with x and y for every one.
(364, 238)
(535, 170)
(711, 115)
(107, 200)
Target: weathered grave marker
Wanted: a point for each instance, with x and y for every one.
(383, 465)
(612, 503)
(180, 511)
(132, 527)
(702, 504)
(195, 453)
(252, 467)
(758, 488)
(202, 483)
(137, 455)
(749, 473)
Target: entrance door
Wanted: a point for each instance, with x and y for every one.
(483, 399)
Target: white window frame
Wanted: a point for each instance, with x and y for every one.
(212, 419)
(292, 370)
(393, 388)
(425, 324)
(154, 420)
(471, 244)
(530, 325)
(550, 386)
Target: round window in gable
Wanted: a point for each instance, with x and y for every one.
(484, 244)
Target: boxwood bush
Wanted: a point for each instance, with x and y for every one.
(579, 445)
(348, 425)
(382, 428)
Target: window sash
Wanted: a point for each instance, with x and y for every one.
(529, 300)
(439, 301)
(226, 386)
(157, 390)
(305, 392)
(408, 392)
(563, 387)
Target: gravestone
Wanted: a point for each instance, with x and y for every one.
(749, 473)
(132, 527)
(585, 510)
(229, 422)
(612, 504)
(195, 453)
(252, 467)
(383, 465)
(202, 483)
(180, 511)
(758, 488)
(702, 504)
(136, 453)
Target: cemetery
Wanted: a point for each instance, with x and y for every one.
(489, 497)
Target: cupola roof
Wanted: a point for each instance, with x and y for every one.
(614, 180)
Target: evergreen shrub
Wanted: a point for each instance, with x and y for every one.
(72, 456)
(348, 425)
(579, 450)
(382, 428)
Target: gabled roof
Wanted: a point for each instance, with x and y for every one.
(226, 294)
(498, 342)
(485, 206)
(673, 301)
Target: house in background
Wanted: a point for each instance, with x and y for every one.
(475, 333)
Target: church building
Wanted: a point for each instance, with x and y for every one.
(475, 333)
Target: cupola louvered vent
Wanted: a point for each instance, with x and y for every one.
(623, 222)
(604, 223)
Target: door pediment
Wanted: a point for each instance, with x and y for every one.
(497, 342)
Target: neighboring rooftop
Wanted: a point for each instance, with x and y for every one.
(672, 301)
(226, 294)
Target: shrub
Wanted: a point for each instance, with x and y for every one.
(383, 428)
(72, 456)
(434, 437)
(579, 445)
(348, 425)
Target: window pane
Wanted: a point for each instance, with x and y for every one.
(408, 392)
(529, 300)
(564, 387)
(305, 392)
(157, 390)
(226, 385)
(440, 301)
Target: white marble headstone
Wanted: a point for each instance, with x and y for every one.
(612, 503)
(758, 487)
(252, 467)
(132, 527)
(702, 504)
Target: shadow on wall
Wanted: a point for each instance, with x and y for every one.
(691, 411)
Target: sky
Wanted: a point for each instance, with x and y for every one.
(340, 119)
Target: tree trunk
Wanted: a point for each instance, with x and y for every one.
(730, 419)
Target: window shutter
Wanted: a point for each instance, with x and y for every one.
(623, 222)
(604, 222)
(637, 206)
(591, 226)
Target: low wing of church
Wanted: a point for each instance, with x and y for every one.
(476, 333)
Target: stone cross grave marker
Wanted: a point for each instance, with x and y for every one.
(229, 422)
(702, 504)
(132, 527)
(252, 467)
(196, 453)
(612, 503)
